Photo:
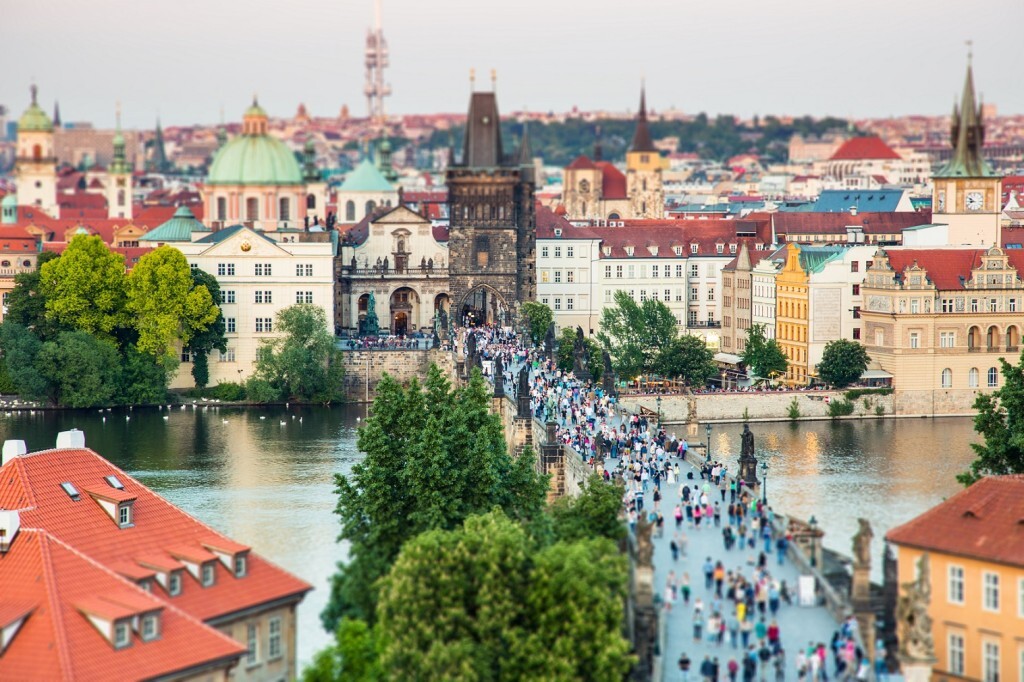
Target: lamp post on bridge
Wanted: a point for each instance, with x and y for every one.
(764, 484)
(658, 401)
(813, 523)
(707, 453)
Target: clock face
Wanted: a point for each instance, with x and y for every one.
(975, 200)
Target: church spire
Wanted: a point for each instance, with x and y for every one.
(119, 164)
(967, 135)
(56, 114)
(525, 150)
(642, 136)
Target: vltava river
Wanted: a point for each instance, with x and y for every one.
(270, 485)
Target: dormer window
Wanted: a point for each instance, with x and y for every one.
(208, 574)
(174, 583)
(146, 585)
(124, 515)
(150, 627)
(122, 634)
(629, 250)
(693, 248)
(241, 565)
(732, 248)
(653, 249)
(719, 248)
(606, 250)
(678, 250)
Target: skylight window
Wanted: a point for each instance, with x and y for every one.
(71, 490)
(113, 482)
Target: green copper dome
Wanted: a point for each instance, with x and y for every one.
(34, 118)
(178, 229)
(254, 160)
(366, 178)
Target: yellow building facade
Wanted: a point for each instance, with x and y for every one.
(791, 303)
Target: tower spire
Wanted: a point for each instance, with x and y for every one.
(967, 133)
(642, 137)
(377, 60)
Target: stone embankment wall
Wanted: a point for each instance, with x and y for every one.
(365, 368)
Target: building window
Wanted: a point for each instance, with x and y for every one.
(668, 295)
(856, 290)
(208, 574)
(1013, 305)
(568, 304)
(854, 266)
(711, 294)
(694, 270)
(558, 276)
(956, 585)
(264, 324)
(972, 378)
(558, 304)
(691, 317)
(947, 339)
(303, 296)
(222, 208)
(679, 269)
(990, 591)
(263, 297)
(263, 270)
(122, 635)
(974, 305)
(228, 355)
(124, 515)
(879, 337)
(186, 356)
(915, 306)
(252, 209)
(993, 305)
(229, 324)
(274, 640)
(631, 271)
(304, 270)
(693, 293)
(225, 269)
(719, 248)
(956, 654)
(607, 272)
(993, 381)
(350, 211)
(643, 295)
(618, 272)
(990, 662)
(654, 271)
(570, 252)
(545, 300)
(174, 583)
(607, 296)
(679, 295)
(150, 628)
(570, 276)
(241, 565)
(284, 209)
(252, 643)
(558, 252)
(856, 312)
(545, 276)
(915, 340)
(947, 378)
(543, 252)
(947, 305)
(856, 334)
(227, 296)
(693, 248)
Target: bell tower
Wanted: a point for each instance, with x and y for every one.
(119, 178)
(643, 170)
(36, 162)
(967, 192)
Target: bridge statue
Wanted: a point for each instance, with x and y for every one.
(912, 619)
(748, 462)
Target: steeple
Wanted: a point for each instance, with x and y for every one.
(119, 164)
(642, 136)
(56, 114)
(525, 150)
(159, 162)
(482, 145)
(967, 135)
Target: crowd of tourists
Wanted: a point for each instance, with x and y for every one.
(734, 602)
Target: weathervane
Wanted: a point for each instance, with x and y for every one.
(970, 50)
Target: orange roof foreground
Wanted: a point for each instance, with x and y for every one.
(985, 521)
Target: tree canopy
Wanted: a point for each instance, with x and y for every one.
(210, 339)
(538, 319)
(763, 356)
(304, 363)
(842, 362)
(634, 333)
(84, 289)
(1000, 422)
(565, 347)
(26, 303)
(687, 358)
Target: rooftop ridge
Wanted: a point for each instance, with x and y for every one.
(57, 613)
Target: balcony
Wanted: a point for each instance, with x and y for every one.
(704, 324)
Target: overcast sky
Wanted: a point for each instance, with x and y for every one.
(185, 59)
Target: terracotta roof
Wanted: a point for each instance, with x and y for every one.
(581, 162)
(160, 529)
(948, 269)
(985, 521)
(890, 222)
(663, 236)
(548, 220)
(56, 585)
(613, 182)
(863, 148)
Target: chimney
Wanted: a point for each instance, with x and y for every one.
(10, 522)
(67, 440)
(853, 210)
(12, 449)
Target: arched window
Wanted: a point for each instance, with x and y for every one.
(252, 208)
(284, 209)
(120, 197)
(947, 378)
(222, 208)
(972, 378)
(310, 201)
(37, 152)
(370, 206)
(350, 211)
(993, 377)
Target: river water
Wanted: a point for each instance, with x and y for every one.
(265, 476)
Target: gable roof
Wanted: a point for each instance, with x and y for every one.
(891, 222)
(873, 201)
(221, 235)
(985, 521)
(862, 149)
(366, 177)
(613, 182)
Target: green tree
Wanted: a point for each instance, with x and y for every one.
(26, 304)
(305, 362)
(762, 355)
(84, 288)
(351, 657)
(687, 358)
(84, 370)
(565, 347)
(166, 306)
(842, 362)
(592, 513)
(144, 378)
(434, 456)
(538, 318)
(210, 339)
(20, 348)
(1000, 422)
(635, 333)
(482, 603)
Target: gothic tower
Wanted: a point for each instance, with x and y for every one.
(119, 178)
(491, 245)
(643, 170)
(967, 192)
(36, 162)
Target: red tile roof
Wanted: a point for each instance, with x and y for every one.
(581, 162)
(863, 148)
(613, 182)
(57, 585)
(796, 224)
(985, 521)
(948, 269)
(160, 529)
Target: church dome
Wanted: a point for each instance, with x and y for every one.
(35, 119)
(254, 157)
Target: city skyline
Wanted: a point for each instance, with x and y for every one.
(189, 65)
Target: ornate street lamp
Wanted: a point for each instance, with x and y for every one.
(658, 401)
(707, 453)
(764, 483)
(813, 523)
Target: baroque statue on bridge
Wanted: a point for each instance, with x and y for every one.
(912, 619)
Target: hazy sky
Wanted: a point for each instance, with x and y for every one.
(185, 59)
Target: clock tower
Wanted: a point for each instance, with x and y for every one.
(967, 192)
